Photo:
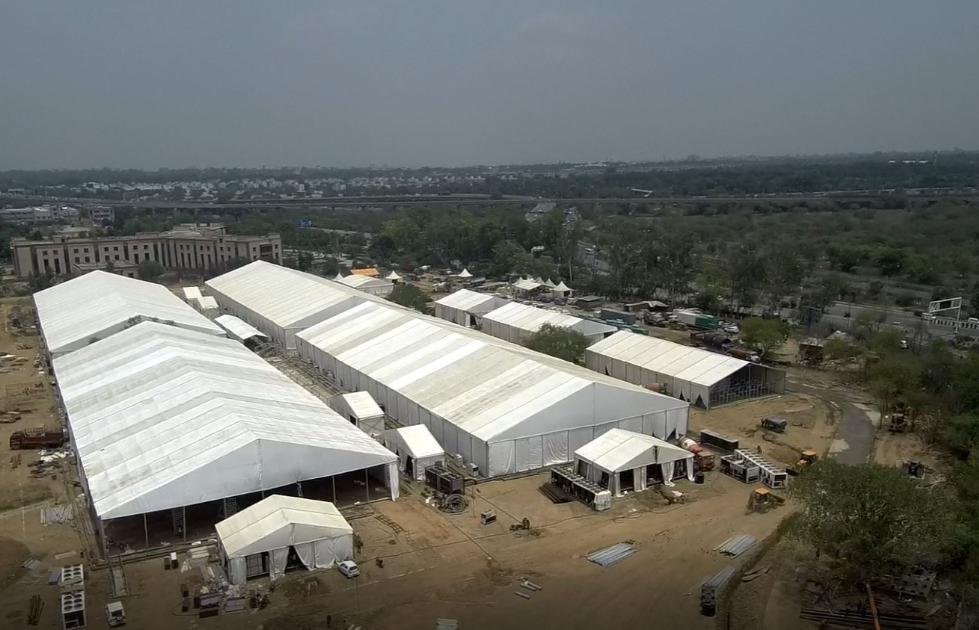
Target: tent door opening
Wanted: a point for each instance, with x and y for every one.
(353, 420)
(293, 561)
(627, 480)
(410, 467)
(654, 473)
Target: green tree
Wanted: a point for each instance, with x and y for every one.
(875, 519)
(149, 270)
(410, 296)
(840, 350)
(562, 343)
(892, 378)
(764, 335)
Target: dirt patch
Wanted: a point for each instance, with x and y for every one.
(11, 498)
(13, 553)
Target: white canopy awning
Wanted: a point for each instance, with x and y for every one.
(418, 441)
(239, 329)
(617, 450)
(280, 521)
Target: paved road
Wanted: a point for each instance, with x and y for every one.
(903, 320)
(854, 441)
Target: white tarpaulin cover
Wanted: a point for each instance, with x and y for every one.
(416, 442)
(163, 417)
(316, 529)
(242, 331)
(367, 284)
(461, 306)
(483, 398)
(98, 304)
(192, 293)
(361, 409)
(205, 303)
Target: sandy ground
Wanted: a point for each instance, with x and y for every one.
(811, 424)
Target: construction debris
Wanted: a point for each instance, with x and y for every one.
(736, 545)
(612, 555)
(61, 513)
(863, 619)
(711, 589)
(521, 594)
(446, 624)
(36, 606)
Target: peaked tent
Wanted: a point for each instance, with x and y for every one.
(619, 456)
(361, 409)
(316, 530)
(465, 274)
(416, 448)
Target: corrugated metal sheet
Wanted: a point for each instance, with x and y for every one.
(737, 545)
(612, 555)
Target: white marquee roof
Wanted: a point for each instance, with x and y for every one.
(84, 307)
(279, 521)
(359, 282)
(618, 449)
(484, 385)
(419, 441)
(238, 329)
(163, 417)
(526, 284)
(530, 318)
(665, 357)
(283, 296)
(471, 301)
(362, 405)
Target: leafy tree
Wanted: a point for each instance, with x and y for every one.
(41, 281)
(892, 378)
(764, 334)
(410, 296)
(562, 343)
(149, 270)
(840, 350)
(874, 518)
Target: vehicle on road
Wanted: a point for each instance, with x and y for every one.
(348, 568)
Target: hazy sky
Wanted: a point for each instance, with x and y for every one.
(174, 83)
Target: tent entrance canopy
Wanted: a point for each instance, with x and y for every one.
(314, 530)
(620, 459)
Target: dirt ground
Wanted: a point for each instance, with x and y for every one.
(811, 424)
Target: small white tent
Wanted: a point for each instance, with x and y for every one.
(465, 274)
(256, 541)
(416, 447)
(361, 409)
(625, 460)
(393, 277)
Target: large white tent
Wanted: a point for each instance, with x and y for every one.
(516, 322)
(692, 374)
(466, 308)
(280, 301)
(500, 406)
(256, 540)
(621, 460)
(162, 418)
(375, 286)
(98, 304)
(416, 448)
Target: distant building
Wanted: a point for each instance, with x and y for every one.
(102, 215)
(39, 214)
(537, 212)
(188, 246)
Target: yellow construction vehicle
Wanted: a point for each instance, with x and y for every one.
(763, 499)
(807, 458)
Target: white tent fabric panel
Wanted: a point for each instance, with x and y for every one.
(619, 450)
(98, 304)
(417, 443)
(239, 329)
(163, 417)
(463, 305)
(556, 448)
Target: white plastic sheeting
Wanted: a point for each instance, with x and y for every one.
(98, 304)
(315, 529)
(490, 401)
(162, 417)
(242, 331)
(280, 301)
(465, 307)
(618, 450)
(415, 442)
(687, 372)
(191, 293)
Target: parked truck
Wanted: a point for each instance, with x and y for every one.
(696, 319)
(37, 437)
